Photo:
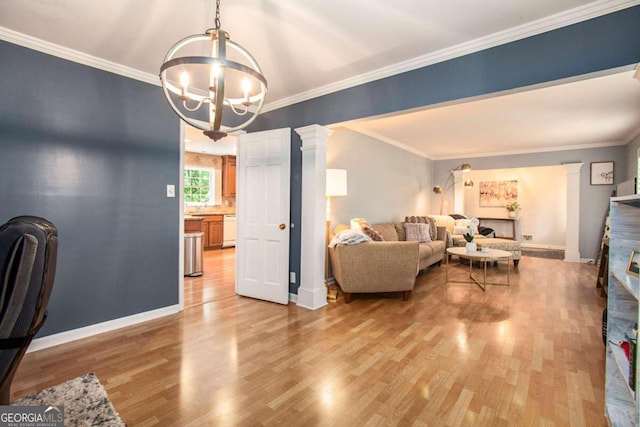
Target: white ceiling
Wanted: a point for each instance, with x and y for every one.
(312, 47)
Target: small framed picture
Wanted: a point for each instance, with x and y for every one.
(634, 263)
(601, 173)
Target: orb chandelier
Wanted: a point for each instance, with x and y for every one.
(207, 78)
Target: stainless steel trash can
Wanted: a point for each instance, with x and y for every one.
(193, 254)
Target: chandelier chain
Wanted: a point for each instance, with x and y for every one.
(217, 14)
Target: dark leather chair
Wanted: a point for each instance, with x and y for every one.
(28, 253)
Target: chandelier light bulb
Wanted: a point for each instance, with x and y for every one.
(184, 80)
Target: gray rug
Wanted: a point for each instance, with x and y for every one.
(85, 402)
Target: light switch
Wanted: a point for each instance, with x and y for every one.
(171, 190)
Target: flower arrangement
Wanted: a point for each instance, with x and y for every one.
(513, 207)
(473, 225)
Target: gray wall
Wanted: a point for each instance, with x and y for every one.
(632, 157)
(385, 183)
(594, 199)
(92, 152)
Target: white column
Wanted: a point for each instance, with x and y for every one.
(458, 192)
(572, 239)
(312, 293)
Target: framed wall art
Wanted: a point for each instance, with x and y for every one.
(601, 173)
(498, 193)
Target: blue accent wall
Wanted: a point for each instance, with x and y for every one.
(92, 152)
(598, 44)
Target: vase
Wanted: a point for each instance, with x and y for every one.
(472, 247)
(513, 214)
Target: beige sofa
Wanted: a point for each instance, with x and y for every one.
(429, 253)
(387, 266)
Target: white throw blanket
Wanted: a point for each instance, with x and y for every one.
(349, 237)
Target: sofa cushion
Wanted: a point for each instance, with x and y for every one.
(388, 231)
(437, 246)
(418, 232)
(402, 236)
(426, 250)
(371, 232)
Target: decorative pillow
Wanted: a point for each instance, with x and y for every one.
(375, 236)
(458, 229)
(417, 232)
(465, 223)
(448, 239)
(433, 231)
(457, 216)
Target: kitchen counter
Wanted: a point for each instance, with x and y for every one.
(193, 218)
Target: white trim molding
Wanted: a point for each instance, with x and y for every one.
(549, 23)
(76, 56)
(572, 239)
(100, 328)
(312, 293)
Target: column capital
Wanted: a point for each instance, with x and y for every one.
(313, 136)
(573, 168)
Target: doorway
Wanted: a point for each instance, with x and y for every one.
(217, 282)
(207, 197)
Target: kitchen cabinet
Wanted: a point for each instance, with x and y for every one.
(192, 225)
(228, 176)
(212, 229)
(623, 309)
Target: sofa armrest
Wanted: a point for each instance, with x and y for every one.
(375, 266)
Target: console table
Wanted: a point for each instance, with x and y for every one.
(511, 220)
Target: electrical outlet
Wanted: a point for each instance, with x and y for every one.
(292, 277)
(171, 190)
(527, 237)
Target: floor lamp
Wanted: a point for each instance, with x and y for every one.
(336, 186)
(464, 167)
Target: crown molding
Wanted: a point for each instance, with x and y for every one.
(559, 20)
(535, 150)
(553, 22)
(75, 56)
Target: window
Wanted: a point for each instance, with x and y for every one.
(199, 186)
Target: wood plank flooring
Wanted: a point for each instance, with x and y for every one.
(529, 355)
(217, 281)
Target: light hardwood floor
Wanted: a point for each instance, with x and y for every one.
(527, 355)
(217, 282)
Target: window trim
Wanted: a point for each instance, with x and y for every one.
(212, 185)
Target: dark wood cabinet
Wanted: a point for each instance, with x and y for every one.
(192, 225)
(228, 176)
(212, 229)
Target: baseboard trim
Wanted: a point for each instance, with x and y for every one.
(293, 298)
(100, 328)
(539, 246)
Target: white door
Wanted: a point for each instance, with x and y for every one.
(262, 215)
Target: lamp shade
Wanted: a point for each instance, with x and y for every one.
(336, 182)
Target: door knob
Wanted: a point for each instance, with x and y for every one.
(282, 226)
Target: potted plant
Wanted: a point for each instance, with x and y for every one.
(513, 209)
(468, 236)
